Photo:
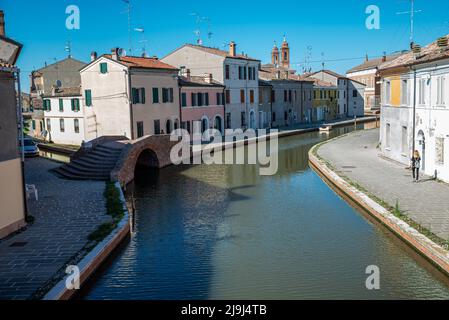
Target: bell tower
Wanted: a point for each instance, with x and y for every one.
(275, 55)
(285, 54)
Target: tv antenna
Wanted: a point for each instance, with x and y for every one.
(68, 48)
(128, 12)
(143, 41)
(198, 21)
(412, 19)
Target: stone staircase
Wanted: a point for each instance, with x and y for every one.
(97, 164)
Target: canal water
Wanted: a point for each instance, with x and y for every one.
(224, 232)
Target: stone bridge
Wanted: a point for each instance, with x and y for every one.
(148, 151)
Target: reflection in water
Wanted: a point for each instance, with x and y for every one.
(224, 232)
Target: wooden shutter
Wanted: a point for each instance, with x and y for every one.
(142, 93)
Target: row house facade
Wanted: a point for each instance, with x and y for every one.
(64, 116)
(202, 101)
(129, 96)
(415, 113)
(237, 72)
(60, 74)
(368, 74)
(325, 101)
(350, 93)
(12, 195)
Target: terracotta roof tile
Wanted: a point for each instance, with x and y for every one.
(143, 62)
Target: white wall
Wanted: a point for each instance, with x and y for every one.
(69, 136)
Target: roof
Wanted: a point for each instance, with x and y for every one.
(220, 52)
(198, 81)
(332, 73)
(373, 63)
(16, 54)
(264, 83)
(65, 92)
(321, 83)
(58, 63)
(142, 62)
(431, 52)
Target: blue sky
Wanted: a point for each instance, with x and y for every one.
(333, 29)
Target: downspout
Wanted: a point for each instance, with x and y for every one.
(414, 110)
(224, 110)
(180, 104)
(128, 71)
(22, 156)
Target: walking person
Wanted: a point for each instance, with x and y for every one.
(416, 165)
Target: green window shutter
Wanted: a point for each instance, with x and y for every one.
(142, 93)
(49, 105)
(88, 94)
(72, 103)
(183, 99)
(155, 95)
(61, 105)
(77, 105)
(133, 93)
(103, 67)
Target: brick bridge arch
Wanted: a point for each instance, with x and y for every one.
(151, 151)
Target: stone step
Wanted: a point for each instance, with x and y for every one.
(105, 153)
(99, 157)
(83, 174)
(108, 149)
(97, 162)
(93, 164)
(67, 175)
(84, 168)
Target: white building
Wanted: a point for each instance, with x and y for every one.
(237, 72)
(428, 68)
(129, 96)
(64, 116)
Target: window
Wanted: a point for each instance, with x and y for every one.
(387, 93)
(165, 94)
(388, 136)
(61, 105)
(47, 105)
(404, 144)
(157, 127)
(274, 117)
(200, 99)
(193, 96)
(439, 150)
(285, 96)
(240, 72)
(139, 129)
(76, 125)
(206, 99)
(227, 72)
(422, 91)
(183, 99)
(61, 125)
(242, 96)
(170, 95)
(244, 73)
(88, 94)
(273, 96)
(228, 97)
(219, 99)
(404, 92)
(33, 124)
(242, 119)
(440, 91)
(75, 105)
(48, 125)
(354, 93)
(228, 120)
(155, 95)
(289, 96)
(135, 95)
(103, 67)
(251, 96)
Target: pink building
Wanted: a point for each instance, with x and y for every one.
(202, 99)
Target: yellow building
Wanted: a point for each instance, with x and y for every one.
(325, 101)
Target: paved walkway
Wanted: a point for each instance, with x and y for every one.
(356, 156)
(66, 213)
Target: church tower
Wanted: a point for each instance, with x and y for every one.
(285, 54)
(275, 55)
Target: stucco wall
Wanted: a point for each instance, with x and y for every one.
(12, 211)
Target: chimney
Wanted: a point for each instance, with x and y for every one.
(208, 77)
(384, 57)
(278, 74)
(2, 24)
(93, 56)
(416, 49)
(366, 58)
(232, 49)
(114, 54)
(286, 74)
(185, 73)
(442, 43)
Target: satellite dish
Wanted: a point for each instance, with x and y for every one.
(58, 84)
(121, 52)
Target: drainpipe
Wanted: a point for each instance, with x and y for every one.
(180, 105)
(414, 110)
(130, 102)
(22, 156)
(224, 110)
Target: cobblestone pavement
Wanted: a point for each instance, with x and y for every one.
(356, 156)
(66, 213)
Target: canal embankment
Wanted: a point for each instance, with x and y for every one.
(416, 212)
